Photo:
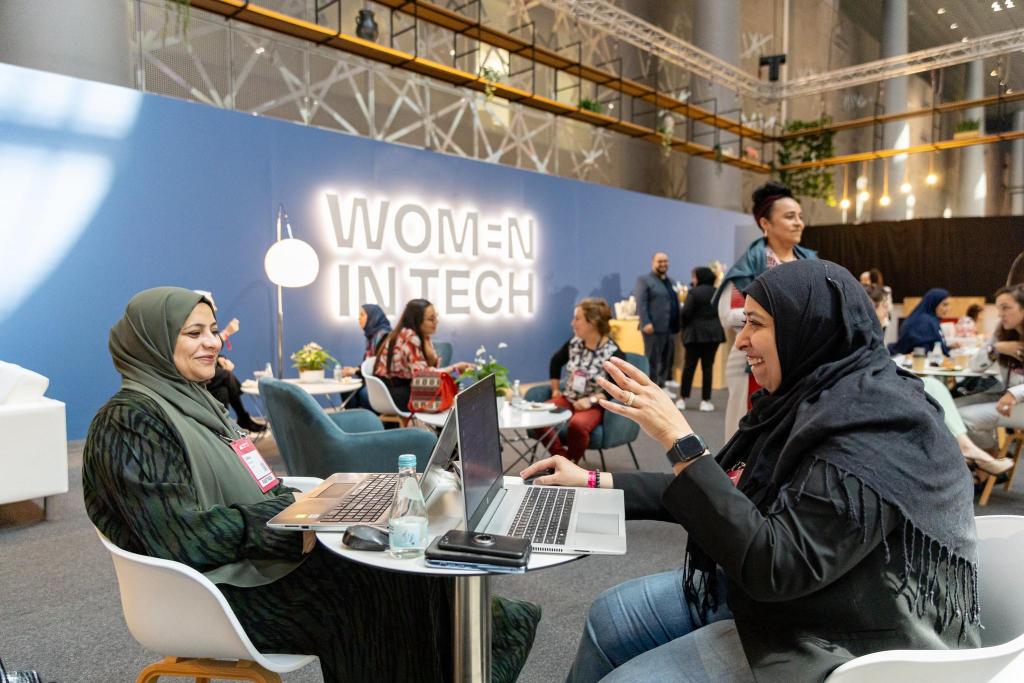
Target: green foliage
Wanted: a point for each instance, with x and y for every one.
(490, 76)
(311, 357)
(182, 17)
(484, 365)
(592, 105)
(813, 183)
(968, 125)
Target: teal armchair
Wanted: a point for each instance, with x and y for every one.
(444, 353)
(314, 443)
(614, 429)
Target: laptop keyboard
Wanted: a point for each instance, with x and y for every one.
(367, 503)
(543, 515)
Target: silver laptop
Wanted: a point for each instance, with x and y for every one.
(557, 519)
(349, 498)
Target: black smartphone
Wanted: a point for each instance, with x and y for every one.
(484, 544)
(459, 559)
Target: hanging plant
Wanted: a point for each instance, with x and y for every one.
(666, 140)
(812, 183)
(490, 77)
(182, 16)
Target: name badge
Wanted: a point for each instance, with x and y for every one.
(579, 382)
(254, 463)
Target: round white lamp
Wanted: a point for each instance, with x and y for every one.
(291, 263)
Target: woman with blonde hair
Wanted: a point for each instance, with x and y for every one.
(583, 358)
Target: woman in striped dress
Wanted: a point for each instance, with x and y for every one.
(160, 478)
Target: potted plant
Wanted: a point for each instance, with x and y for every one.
(484, 365)
(968, 128)
(310, 361)
(592, 105)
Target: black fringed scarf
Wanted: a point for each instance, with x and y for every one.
(844, 402)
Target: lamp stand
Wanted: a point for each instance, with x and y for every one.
(280, 309)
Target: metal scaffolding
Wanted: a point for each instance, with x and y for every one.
(603, 15)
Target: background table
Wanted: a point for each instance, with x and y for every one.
(327, 387)
(516, 422)
(471, 609)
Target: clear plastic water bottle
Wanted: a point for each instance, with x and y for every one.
(337, 372)
(935, 357)
(408, 524)
(517, 394)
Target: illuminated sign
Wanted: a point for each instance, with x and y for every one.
(463, 261)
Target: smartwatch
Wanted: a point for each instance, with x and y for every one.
(688, 448)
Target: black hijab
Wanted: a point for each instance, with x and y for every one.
(844, 402)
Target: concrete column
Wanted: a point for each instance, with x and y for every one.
(82, 38)
(972, 182)
(714, 30)
(1017, 167)
(897, 133)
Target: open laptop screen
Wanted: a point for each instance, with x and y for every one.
(479, 448)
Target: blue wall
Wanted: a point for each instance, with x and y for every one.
(113, 192)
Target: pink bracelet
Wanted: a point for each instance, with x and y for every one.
(592, 479)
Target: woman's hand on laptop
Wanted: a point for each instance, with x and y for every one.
(566, 473)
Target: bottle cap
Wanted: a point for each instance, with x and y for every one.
(407, 460)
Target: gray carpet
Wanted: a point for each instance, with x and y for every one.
(61, 613)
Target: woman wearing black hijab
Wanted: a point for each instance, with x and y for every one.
(850, 528)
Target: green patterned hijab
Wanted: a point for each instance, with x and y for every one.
(142, 346)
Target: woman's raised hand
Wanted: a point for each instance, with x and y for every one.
(566, 473)
(644, 402)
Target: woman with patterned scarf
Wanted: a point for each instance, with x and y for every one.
(836, 522)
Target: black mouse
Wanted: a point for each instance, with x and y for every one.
(542, 473)
(366, 537)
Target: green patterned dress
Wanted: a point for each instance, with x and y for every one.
(363, 624)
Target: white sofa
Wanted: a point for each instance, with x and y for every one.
(33, 438)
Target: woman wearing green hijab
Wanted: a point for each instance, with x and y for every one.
(161, 478)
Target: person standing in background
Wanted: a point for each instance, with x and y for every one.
(702, 334)
(779, 216)
(658, 308)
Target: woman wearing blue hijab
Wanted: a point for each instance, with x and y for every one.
(375, 326)
(922, 328)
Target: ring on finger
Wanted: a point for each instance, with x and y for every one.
(630, 397)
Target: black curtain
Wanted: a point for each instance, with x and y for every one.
(967, 256)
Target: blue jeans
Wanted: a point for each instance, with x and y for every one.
(643, 630)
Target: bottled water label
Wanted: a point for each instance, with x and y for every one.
(408, 533)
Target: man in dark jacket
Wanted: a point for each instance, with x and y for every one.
(658, 308)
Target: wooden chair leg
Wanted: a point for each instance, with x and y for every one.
(205, 670)
(1017, 440)
(990, 481)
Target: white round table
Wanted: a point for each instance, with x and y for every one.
(471, 608)
(515, 425)
(326, 387)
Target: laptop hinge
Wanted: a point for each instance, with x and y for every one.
(492, 509)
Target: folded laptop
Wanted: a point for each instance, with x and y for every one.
(556, 519)
(349, 498)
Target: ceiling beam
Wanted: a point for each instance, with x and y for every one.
(250, 13)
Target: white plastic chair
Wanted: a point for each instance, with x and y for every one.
(1001, 660)
(173, 609)
(380, 397)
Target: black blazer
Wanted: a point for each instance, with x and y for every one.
(809, 587)
(700, 319)
(657, 304)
